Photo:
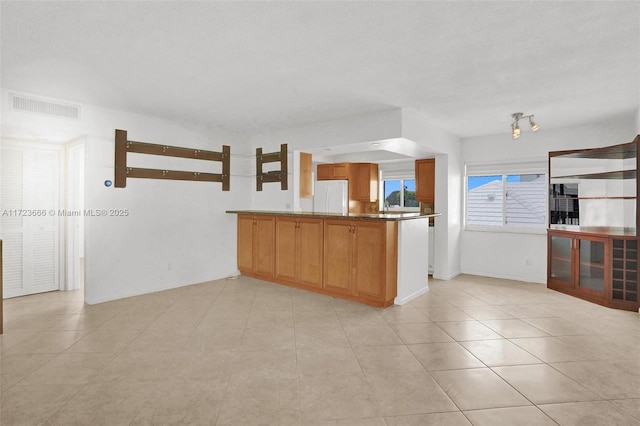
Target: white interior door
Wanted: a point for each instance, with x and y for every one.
(29, 225)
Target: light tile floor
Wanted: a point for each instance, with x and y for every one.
(241, 351)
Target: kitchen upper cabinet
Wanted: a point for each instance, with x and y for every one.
(299, 250)
(425, 180)
(306, 175)
(357, 261)
(336, 171)
(362, 177)
(364, 180)
(256, 236)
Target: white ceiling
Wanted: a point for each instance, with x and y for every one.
(254, 66)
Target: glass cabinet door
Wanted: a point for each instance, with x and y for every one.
(560, 266)
(591, 271)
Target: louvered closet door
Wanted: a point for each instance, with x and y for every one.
(31, 182)
(12, 227)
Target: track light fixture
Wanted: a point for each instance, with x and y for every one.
(515, 126)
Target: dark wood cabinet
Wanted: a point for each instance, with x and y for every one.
(624, 285)
(578, 265)
(592, 236)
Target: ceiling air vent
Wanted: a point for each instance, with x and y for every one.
(39, 106)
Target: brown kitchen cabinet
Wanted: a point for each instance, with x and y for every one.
(349, 257)
(360, 260)
(425, 180)
(306, 175)
(335, 171)
(364, 181)
(299, 250)
(256, 237)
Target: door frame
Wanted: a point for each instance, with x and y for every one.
(73, 226)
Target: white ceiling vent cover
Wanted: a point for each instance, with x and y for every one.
(39, 106)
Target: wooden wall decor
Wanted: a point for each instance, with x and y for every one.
(124, 146)
(274, 175)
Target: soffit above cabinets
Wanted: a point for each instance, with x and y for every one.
(383, 151)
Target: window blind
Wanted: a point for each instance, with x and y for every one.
(525, 166)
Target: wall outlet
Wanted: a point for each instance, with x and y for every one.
(169, 266)
(527, 262)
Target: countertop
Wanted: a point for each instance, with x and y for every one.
(350, 216)
(610, 231)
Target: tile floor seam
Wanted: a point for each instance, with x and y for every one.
(224, 398)
(63, 405)
(601, 397)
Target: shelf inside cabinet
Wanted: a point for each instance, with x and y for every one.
(618, 152)
(618, 174)
(592, 265)
(595, 198)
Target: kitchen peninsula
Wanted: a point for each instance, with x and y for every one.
(376, 259)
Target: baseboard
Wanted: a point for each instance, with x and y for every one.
(411, 297)
(507, 277)
(446, 277)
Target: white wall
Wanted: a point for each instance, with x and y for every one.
(392, 124)
(369, 127)
(176, 233)
(516, 255)
(448, 199)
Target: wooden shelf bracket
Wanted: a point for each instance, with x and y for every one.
(124, 146)
(274, 175)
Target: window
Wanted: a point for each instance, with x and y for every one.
(400, 194)
(507, 200)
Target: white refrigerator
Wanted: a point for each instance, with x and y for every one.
(331, 196)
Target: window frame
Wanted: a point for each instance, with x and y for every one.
(523, 167)
(402, 207)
